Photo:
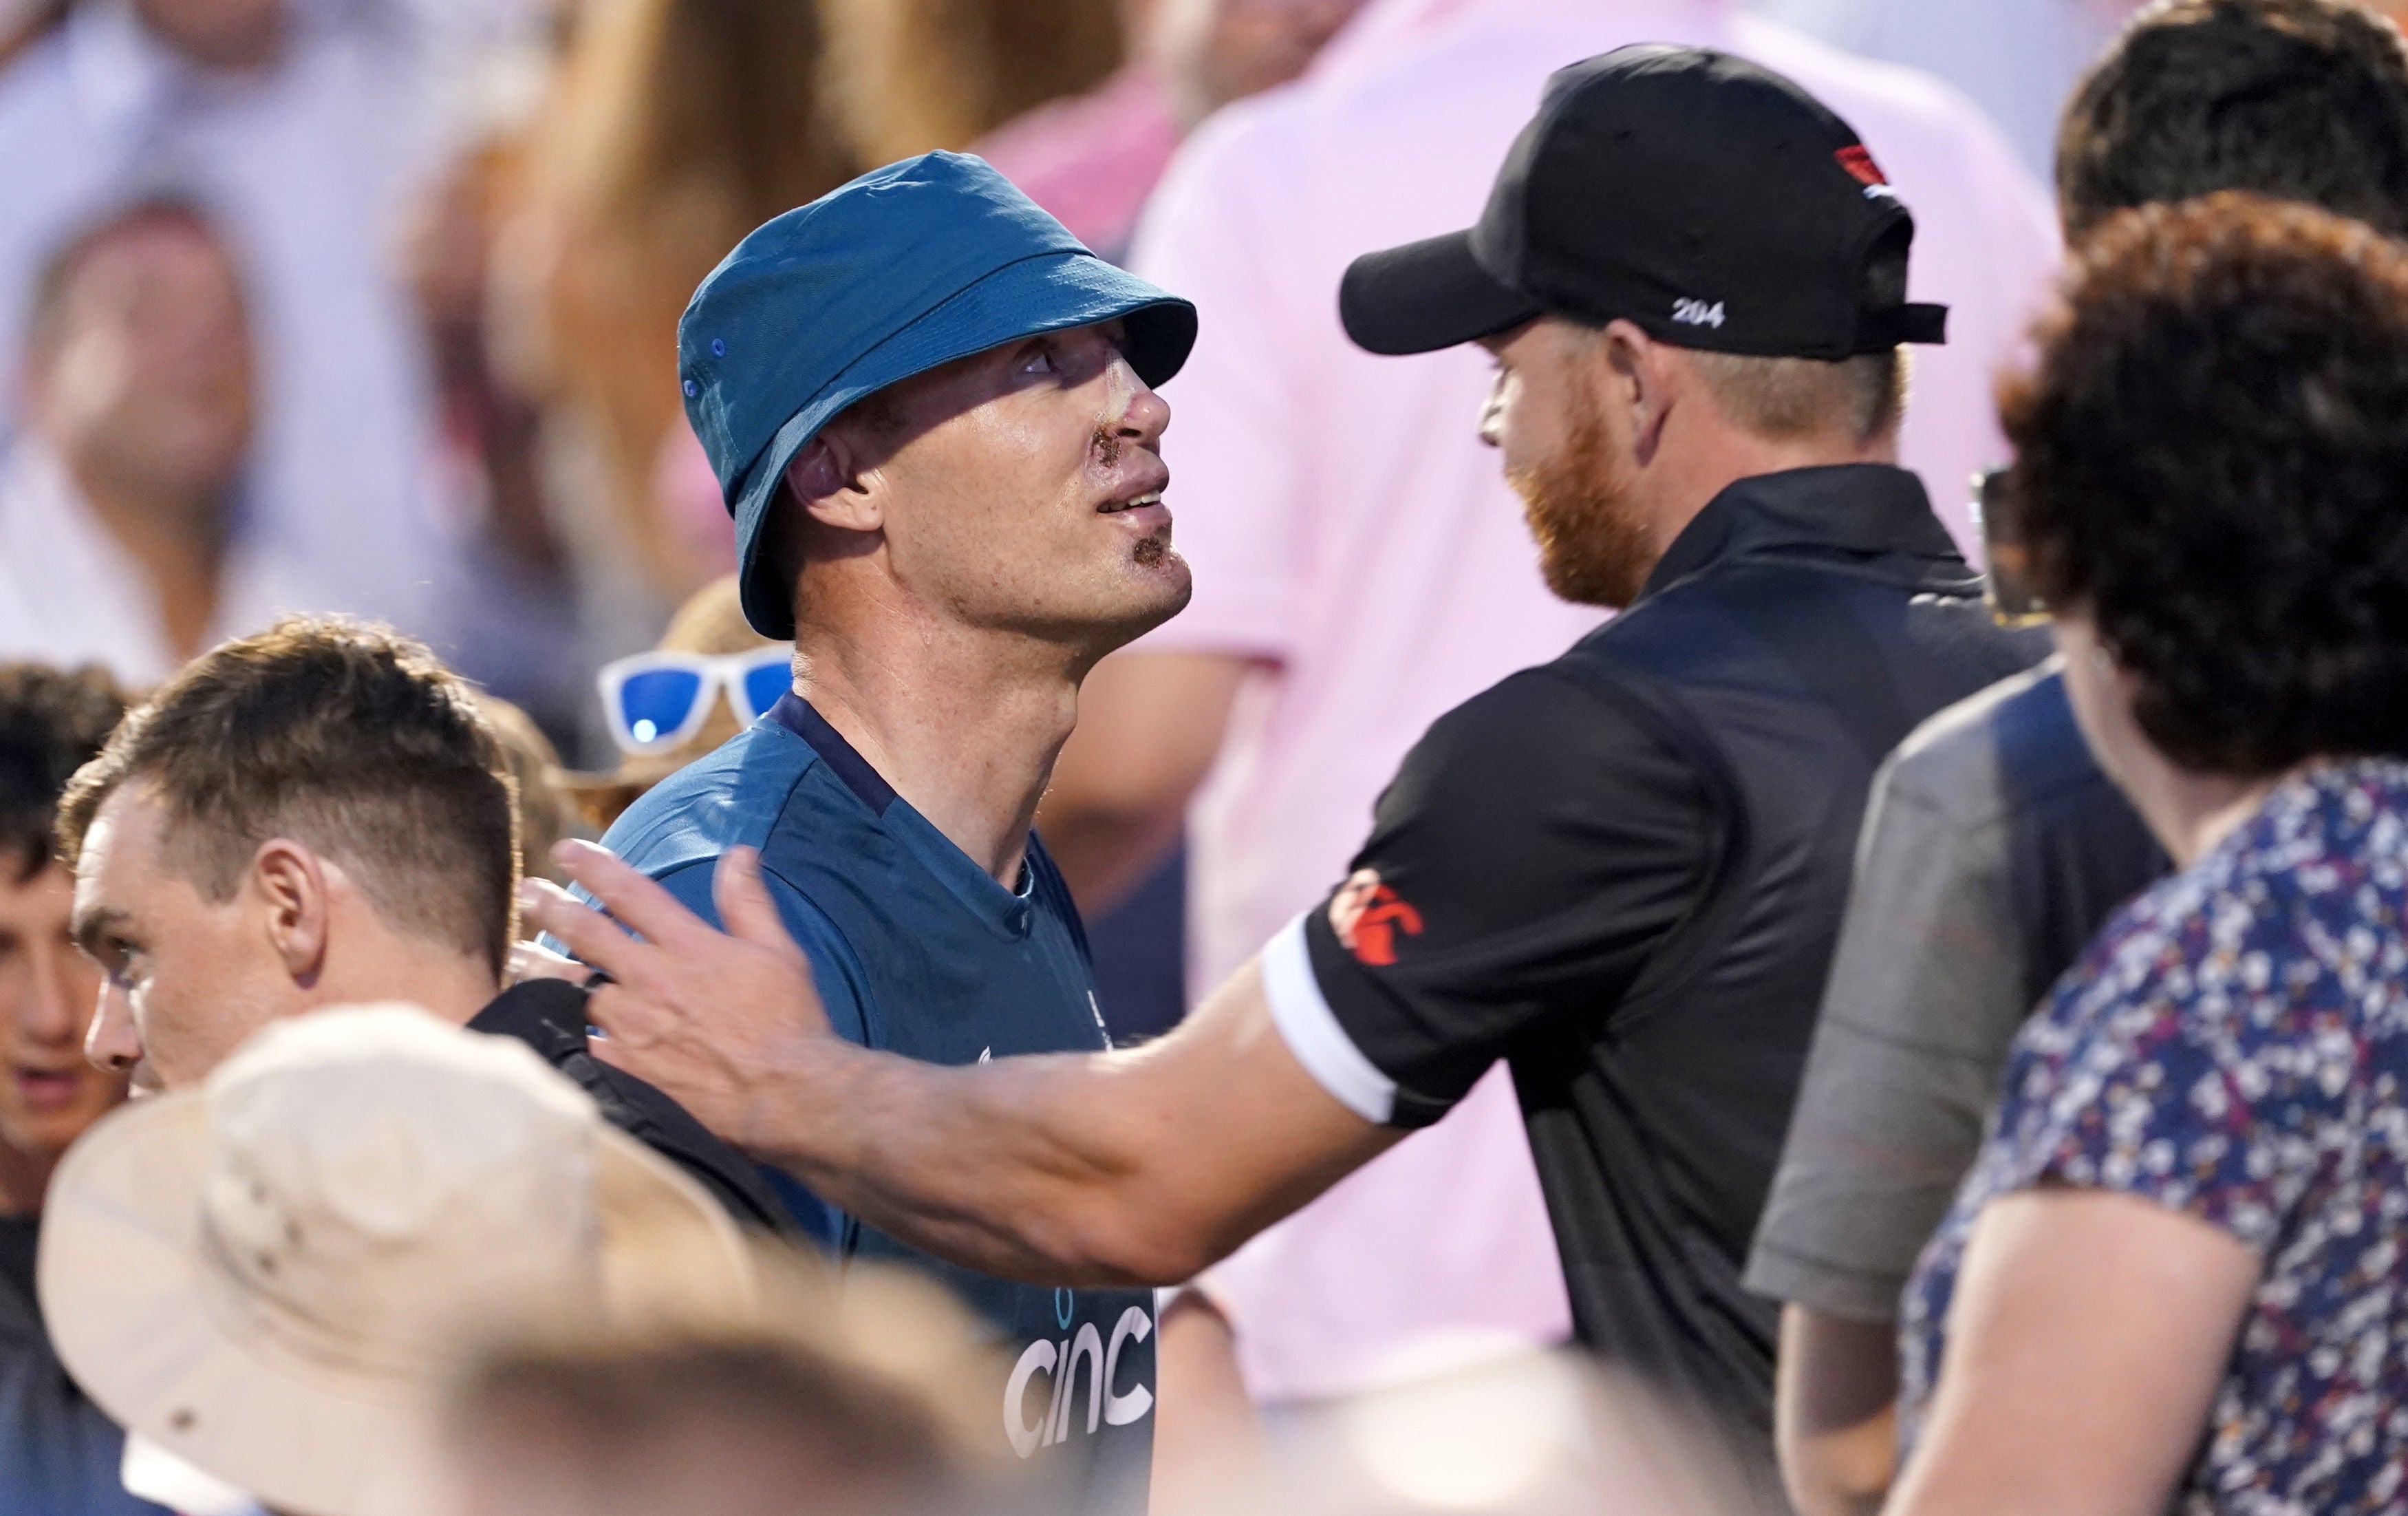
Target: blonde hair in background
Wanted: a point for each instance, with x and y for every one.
(677, 126)
(912, 76)
(866, 1395)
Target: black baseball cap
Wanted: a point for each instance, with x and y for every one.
(1710, 201)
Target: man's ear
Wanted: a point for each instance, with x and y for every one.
(294, 895)
(835, 487)
(1638, 384)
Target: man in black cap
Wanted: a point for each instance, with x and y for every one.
(1621, 872)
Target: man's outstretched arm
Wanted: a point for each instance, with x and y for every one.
(1131, 1167)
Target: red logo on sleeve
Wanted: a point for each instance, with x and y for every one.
(1367, 916)
(1858, 161)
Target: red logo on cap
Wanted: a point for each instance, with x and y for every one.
(1858, 161)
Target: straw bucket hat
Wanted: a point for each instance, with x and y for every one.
(271, 1276)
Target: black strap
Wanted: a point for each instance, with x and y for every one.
(1880, 330)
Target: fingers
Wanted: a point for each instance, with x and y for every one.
(607, 1007)
(530, 960)
(745, 907)
(585, 932)
(640, 905)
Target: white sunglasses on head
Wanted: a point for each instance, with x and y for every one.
(659, 699)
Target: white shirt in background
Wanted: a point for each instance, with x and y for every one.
(307, 167)
(69, 595)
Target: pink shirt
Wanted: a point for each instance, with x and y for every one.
(1345, 525)
(1091, 160)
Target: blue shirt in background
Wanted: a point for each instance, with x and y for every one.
(919, 951)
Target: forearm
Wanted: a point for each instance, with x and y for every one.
(1140, 1166)
(1026, 1168)
(1135, 1167)
(1835, 1411)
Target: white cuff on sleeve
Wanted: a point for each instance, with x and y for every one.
(1312, 1031)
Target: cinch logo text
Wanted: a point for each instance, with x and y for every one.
(1060, 1362)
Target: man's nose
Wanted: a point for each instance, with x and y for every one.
(112, 1043)
(51, 1012)
(1147, 415)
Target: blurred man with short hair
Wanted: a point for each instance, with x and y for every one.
(303, 126)
(123, 534)
(58, 1451)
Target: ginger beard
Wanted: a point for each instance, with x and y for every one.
(1593, 547)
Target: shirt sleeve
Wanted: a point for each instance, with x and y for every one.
(1924, 999)
(1213, 233)
(1533, 850)
(2226, 1088)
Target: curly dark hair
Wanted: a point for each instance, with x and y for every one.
(52, 721)
(2212, 460)
(2300, 99)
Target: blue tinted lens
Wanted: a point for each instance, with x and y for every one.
(763, 683)
(655, 704)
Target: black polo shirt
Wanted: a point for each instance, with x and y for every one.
(1622, 871)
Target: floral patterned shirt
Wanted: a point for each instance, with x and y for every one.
(2235, 1046)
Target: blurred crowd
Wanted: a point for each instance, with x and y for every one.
(367, 307)
(341, 343)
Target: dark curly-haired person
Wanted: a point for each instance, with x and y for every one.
(2173, 1280)
(59, 1453)
(1994, 848)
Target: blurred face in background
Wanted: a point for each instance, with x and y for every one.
(141, 371)
(1218, 51)
(228, 35)
(46, 993)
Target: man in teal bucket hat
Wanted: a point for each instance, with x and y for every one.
(931, 411)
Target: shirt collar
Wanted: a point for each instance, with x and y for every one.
(799, 716)
(1874, 515)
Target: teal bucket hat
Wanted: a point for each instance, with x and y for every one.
(905, 269)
